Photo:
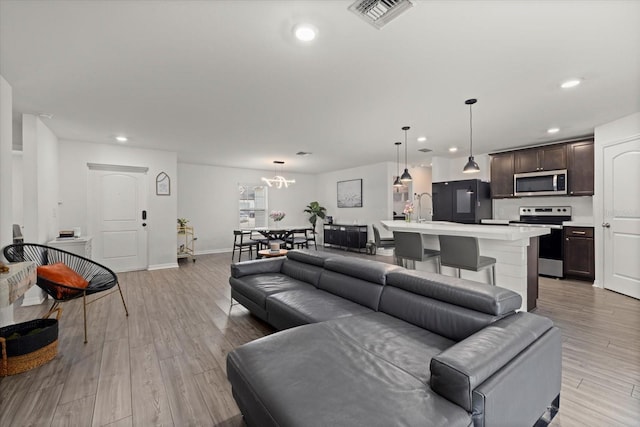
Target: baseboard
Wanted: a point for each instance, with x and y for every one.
(162, 266)
(598, 284)
(213, 251)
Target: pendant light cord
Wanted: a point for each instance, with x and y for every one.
(405, 149)
(470, 130)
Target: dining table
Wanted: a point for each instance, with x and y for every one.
(278, 233)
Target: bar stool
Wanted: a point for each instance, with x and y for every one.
(410, 247)
(462, 252)
(386, 243)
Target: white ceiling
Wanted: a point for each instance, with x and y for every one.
(225, 83)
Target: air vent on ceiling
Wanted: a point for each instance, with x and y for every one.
(380, 12)
(425, 150)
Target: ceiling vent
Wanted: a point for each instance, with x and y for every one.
(425, 150)
(380, 12)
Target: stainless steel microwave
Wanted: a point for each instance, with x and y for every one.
(544, 183)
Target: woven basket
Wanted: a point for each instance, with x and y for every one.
(28, 351)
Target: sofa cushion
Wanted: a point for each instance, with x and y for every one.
(316, 376)
(464, 293)
(258, 287)
(316, 258)
(400, 343)
(442, 318)
(301, 271)
(299, 307)
(365, 269)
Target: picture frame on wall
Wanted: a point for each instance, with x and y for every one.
(163, 184)
(350, 193)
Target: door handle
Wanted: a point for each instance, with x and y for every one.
(144, 215)
(606, 225)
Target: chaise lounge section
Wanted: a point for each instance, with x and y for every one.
(372, 344)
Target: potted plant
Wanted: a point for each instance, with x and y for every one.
(182, 223)
(315, 210)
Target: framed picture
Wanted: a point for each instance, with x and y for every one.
(163, 184)
(350, 193)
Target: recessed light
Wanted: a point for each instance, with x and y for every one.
(453, 149)
(553, 130)
(570, 83)
(422, 138)
(122, 138)
(305, 32)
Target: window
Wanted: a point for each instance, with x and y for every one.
(252, 206)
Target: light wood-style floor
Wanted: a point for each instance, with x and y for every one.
(164, 365)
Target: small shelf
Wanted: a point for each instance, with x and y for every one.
(186, 243)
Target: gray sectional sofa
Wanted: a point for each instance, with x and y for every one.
(364, 343)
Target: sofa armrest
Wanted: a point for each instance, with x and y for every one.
(258, 266)
(457, 371)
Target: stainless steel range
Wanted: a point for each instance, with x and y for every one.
(551, 245)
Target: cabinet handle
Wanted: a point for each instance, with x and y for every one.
(578, 232)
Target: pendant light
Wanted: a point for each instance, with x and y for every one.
(471, 166)
(278, 180)
(406, 176)
(397, 183)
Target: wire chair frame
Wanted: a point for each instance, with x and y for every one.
(100, 278)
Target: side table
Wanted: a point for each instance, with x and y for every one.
(267, 253)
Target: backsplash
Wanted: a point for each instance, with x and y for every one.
(582, 207)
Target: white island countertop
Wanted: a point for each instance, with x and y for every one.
(492, 232)
(514, 248)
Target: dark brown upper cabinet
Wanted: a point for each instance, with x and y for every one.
(580, 169)
(550, 157)
(502, 175)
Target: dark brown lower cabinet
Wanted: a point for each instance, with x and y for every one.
(579, 253)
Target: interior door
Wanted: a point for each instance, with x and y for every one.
(117, 201)
(622, 218)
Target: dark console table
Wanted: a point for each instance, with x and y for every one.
(345, 236)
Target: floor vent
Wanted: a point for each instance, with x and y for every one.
(380, 12)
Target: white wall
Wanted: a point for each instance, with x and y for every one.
(17, 188)
(208, 196)
(446, 169)
(377, 195)
(607, 134)
(162, 210)
(6, 210)
(40, 180)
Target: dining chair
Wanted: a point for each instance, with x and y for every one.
(463, 253)
(409, 248)
(298, 239)
(242, 242)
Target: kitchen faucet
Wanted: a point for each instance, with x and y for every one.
(430, 212)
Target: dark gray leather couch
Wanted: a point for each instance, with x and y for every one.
(366, 343)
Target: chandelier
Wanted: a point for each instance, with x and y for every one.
(278, 181)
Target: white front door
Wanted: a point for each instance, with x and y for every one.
(621, 225)
(116, 201)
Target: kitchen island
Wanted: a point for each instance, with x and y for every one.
(514, 248)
